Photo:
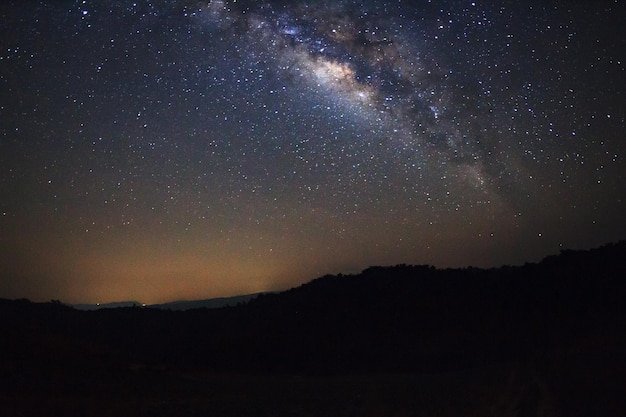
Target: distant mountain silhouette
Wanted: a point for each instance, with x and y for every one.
(175, 305)
(106, 305)
(208, 303)
(565, 315)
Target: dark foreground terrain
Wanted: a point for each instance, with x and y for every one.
(546, 339)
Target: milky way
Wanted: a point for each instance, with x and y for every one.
(181, 149)
(362, 64)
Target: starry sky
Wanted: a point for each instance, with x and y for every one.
(166, 150)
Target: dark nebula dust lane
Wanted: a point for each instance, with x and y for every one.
(182, 149)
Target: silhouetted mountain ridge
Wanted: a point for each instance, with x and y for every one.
(218, 302)
(181, 305)
(385, 319)
(571, 276)
(117, 304)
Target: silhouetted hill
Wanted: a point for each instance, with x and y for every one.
(422, 318)
(565, 314)
(118, 304)
(208, 303)
(175, 305)
(384, 317)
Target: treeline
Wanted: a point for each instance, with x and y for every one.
(385, 319)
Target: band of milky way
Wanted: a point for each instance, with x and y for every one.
(177, 149)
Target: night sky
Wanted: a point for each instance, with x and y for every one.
(167, 150)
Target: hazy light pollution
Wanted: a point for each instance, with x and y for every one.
(182, 150)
